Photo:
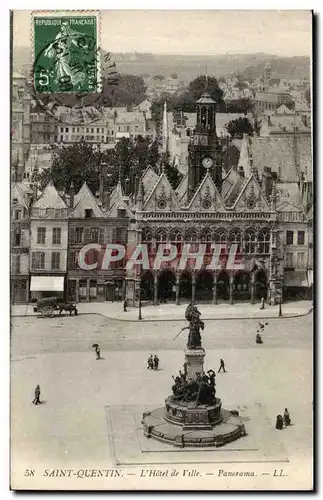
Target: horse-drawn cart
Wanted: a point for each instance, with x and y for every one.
(48, 305)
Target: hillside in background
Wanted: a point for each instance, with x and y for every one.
(188, 67)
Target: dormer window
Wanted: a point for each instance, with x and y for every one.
(88, 213)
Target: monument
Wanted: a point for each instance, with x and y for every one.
(193, 415)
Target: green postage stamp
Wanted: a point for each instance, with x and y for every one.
(66, 52)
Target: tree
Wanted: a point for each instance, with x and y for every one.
(237, 106)
(237, 128)
(78, 162)
(158, 77)
(203, 84)
(81, 162)
(130, 90)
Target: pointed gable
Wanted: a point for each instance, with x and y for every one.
(86, 201)
(181, 190)
(50, 198)
(251, 197)
(117, 194)
(206, 197)
(120, 205)
(229, 181)
(162, 198)
(148, 179)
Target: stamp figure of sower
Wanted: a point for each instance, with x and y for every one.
(60, 52)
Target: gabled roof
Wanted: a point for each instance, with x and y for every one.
(148, 180)
(162, 190)
(287, 155)
(50, 198)
(85, 200)
(206, 191)
(251, 190)
(116, 194)
(181, 191)
(288, 207)
(120, 204)
(229, 181)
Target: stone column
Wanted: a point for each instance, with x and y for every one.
(215, 299)
(193, 286)
(77, 290)
(155, 289)
(87, 290)
(177, 289)
(194, 359)
(253, 277)
(231, 289)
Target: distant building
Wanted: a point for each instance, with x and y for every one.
(43, 129)
(20, 125)
(48, 245)
(272, 98)
(21, 198)
(94, 221)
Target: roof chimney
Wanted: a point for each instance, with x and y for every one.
(103, 175)
(72, 194)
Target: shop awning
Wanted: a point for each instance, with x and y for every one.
(47, 284)
(296, 279)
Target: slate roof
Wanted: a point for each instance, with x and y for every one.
(50, 198)
(287, 155)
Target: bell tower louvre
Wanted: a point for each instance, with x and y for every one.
(204, 148)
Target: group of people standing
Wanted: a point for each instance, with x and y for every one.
(153, 362)
(281, 420)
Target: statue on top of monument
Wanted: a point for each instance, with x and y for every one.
(192, 314)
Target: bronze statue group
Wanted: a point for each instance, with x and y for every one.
(201, 390)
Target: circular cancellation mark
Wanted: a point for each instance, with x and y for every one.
(85, 83)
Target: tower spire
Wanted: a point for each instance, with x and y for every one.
(165, 129)
(206, 79)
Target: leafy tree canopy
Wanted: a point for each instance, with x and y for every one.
(237, 128)
(81, 162)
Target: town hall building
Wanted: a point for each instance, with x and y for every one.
(262, 209)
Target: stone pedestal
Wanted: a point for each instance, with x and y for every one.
(194, 359)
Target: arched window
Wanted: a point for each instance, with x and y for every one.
(147, 238)
(191, 236)
(264, 241)
(176, 239)
(250, 241)
(206, 236)
(161, 236)
(235, 236)
(221, 236)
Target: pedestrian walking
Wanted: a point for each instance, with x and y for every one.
(156, 362)
(222, 366)
(262, 303)
(98, 352)
(36, 400)
(125, 305)
(279, 422)
(286, 417)
(150, 363)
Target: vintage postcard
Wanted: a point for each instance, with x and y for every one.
(161, 250)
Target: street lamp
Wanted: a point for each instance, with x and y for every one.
(280, 303)
(139, 307)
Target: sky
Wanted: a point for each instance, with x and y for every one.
(284, 33)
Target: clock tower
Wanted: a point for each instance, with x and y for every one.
(204, 148)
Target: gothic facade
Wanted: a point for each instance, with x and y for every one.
(258, 208)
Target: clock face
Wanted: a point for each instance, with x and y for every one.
(207, 163)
